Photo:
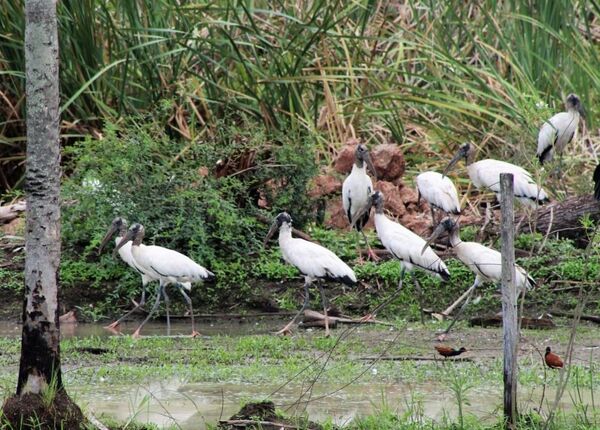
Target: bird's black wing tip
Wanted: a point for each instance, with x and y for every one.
(445, 276)
(596, 178)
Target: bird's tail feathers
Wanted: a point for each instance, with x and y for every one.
(444, 274)
(210, 276)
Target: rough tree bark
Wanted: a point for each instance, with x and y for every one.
(40, 349)
(39, 368)
(564, 218)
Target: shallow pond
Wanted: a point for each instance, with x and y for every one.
(171, 401)
(192, 406)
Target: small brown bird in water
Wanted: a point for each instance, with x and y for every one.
(446, 351)
(552, 360)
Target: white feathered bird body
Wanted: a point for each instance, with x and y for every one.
(487, 264)
(438, 190)
(406, 246)
(127, 257)
(313, 260)
(169, 266)
(356, 192)
(486, 174)
(556, 133)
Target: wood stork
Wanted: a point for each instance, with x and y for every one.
(559, 130)
(410, 249)
(168, 266)
(439, 191)
(119, 226)
(313, 261)
(486, 174)
(484, 262)
(357, 190)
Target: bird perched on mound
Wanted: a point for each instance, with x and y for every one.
(486, 174)
(553, 361)
(446, 351)
(313, 261)
(356, 192)
(559, 130)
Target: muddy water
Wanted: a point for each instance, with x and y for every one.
(192, 406)
(236, 327)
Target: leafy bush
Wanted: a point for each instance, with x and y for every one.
(199, 198)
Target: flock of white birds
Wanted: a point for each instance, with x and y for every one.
(155, 263)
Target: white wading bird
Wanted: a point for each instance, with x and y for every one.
(166, 265)
(439, 191)
(558, 131)
(406, 246)
(119, 226)
(486, 174)
(313, 261)
(484, 262)
(356, 192)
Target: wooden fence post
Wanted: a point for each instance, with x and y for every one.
(509, 299)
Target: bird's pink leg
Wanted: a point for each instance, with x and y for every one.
(287, 330)
(113, 327)
(136, 333)
(189, 302)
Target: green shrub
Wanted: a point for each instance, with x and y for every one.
(199, 198)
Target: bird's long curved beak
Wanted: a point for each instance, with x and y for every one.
(436, 233)
(270, 234)
(370, 165)
(109, 234)
(361, 212)
(452, 163)
(123, 241)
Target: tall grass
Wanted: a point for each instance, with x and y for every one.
(428, 74)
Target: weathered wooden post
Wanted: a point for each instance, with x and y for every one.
(509, 299)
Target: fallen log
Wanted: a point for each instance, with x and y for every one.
(592, 318)
(313, 316)
(496, 321)
(10, 212)
(564, 219)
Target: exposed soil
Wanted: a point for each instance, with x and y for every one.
(29, 412)
(261, 415)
